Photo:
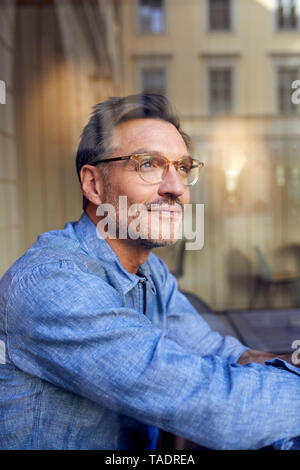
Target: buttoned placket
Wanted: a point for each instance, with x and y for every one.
(143, 284)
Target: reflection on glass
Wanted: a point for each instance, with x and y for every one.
(232, 93)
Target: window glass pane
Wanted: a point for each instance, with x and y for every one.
(154, 80)
(219, 14)
(287, 14)
(220, 89)
(151, 16)
(286, 76)
(232, 95)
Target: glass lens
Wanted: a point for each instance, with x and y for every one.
(193, 174)
(188, 169)
(152, 168)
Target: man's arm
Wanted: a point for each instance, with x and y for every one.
(62, 327)
(186, 326)
(193, 333)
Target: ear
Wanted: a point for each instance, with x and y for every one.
(92, 183)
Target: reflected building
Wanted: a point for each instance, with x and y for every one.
(58, 58)
(228, 66)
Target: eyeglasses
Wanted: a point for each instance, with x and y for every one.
(153, 169)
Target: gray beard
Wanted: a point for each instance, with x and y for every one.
(150, 244)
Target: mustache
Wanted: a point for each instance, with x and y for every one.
(164, 202)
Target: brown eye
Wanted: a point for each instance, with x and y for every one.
(185, 167)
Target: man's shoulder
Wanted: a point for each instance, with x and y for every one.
(50, 249)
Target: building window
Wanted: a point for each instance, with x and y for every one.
(154, 80)
(151, 16)
(219, 15)
(220, 90)
(152, 73)
(287, 14)
(285, 78)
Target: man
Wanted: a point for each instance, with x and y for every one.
(100, 347)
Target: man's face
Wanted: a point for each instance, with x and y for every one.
(163, 203)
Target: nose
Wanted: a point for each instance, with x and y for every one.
(172, 184)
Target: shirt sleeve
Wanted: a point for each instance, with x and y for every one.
(61, 327)
(186, 327)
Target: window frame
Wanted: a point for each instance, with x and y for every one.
(220, 62)
(151, 62)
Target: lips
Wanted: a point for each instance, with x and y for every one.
(167, 211)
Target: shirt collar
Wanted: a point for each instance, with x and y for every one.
(98, 248)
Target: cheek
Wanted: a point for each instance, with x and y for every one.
(137, 191)
(185, 199)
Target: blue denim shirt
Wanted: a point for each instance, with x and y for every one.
(83, 366)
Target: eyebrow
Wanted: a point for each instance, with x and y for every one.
(155, 153)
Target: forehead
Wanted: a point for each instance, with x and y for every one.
(148, 134)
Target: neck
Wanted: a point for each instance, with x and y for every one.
(130, 254)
